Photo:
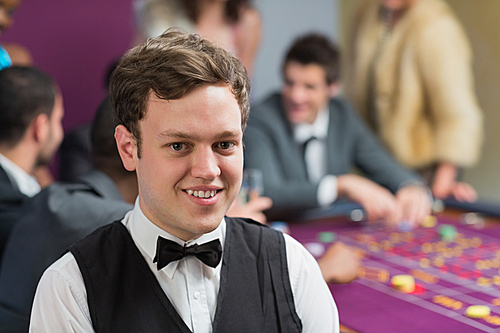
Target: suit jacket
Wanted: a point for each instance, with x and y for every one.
(52, 221)
(11, 202)
(426, 108)
(270, 147)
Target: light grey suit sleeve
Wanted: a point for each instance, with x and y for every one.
(373, 159)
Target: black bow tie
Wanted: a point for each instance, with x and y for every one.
(168, 251)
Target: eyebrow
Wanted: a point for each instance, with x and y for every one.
(184, 136)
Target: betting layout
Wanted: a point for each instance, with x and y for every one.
(456, 268)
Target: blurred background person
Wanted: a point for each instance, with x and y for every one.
(411, 78)
(31, 111)
(18, 54)
(306, 140)
(233, 24)
(59, 216)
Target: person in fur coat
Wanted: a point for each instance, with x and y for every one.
(410, 77)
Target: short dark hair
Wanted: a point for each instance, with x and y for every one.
(25, 92)
(316, 49)
(104, 152)
(170, 66)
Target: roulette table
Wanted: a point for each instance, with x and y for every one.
(450, 274)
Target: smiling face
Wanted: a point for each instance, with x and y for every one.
(191, 161)
(305, 92)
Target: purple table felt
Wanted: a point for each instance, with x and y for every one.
(451, 276)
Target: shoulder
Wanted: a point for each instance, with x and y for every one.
(63, 281)
(271, 103)
(341, 112)
(256, 235)
(66, 267)
(101, 237)
(268, 112)
(437, 34)
(80, 206)
(19, 54)
(434, 18)
(340, 104)
(297, 255)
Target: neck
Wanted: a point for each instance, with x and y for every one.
(22, 155)
(127, 186)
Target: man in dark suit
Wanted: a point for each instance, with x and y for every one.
(59, 216)
(306, 141)
(31, 110)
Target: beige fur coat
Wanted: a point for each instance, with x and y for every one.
(425, 99)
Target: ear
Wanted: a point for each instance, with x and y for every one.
(40, 128)
(127, 147)
(335, 88)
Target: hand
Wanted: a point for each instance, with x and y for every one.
(414, 202)
(445, 185)
(464, 192)
(340, 264)
(253, 209)
(377, 201)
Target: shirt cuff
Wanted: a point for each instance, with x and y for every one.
(327, 190)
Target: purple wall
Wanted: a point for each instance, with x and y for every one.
(74, 41)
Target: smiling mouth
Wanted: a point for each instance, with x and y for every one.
(202, 194)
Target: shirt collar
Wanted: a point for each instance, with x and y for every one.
(24, 182)
(145, 234)
(319, 129)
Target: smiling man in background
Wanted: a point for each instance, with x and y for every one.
(306, 141)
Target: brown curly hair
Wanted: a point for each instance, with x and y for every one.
(170, 66)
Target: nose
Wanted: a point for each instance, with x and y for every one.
(297, 94)
(205, 164)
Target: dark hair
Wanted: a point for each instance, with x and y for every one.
(104, 152)
(316, 49)
(25, 92)
(170, 66)
(232, 11)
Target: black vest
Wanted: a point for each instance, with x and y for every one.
(124, 296)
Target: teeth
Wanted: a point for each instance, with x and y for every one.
(201, 194)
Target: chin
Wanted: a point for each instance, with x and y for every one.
(210, 223)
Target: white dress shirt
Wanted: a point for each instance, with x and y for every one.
(315, 156)
(60, 303)
(24, 182)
